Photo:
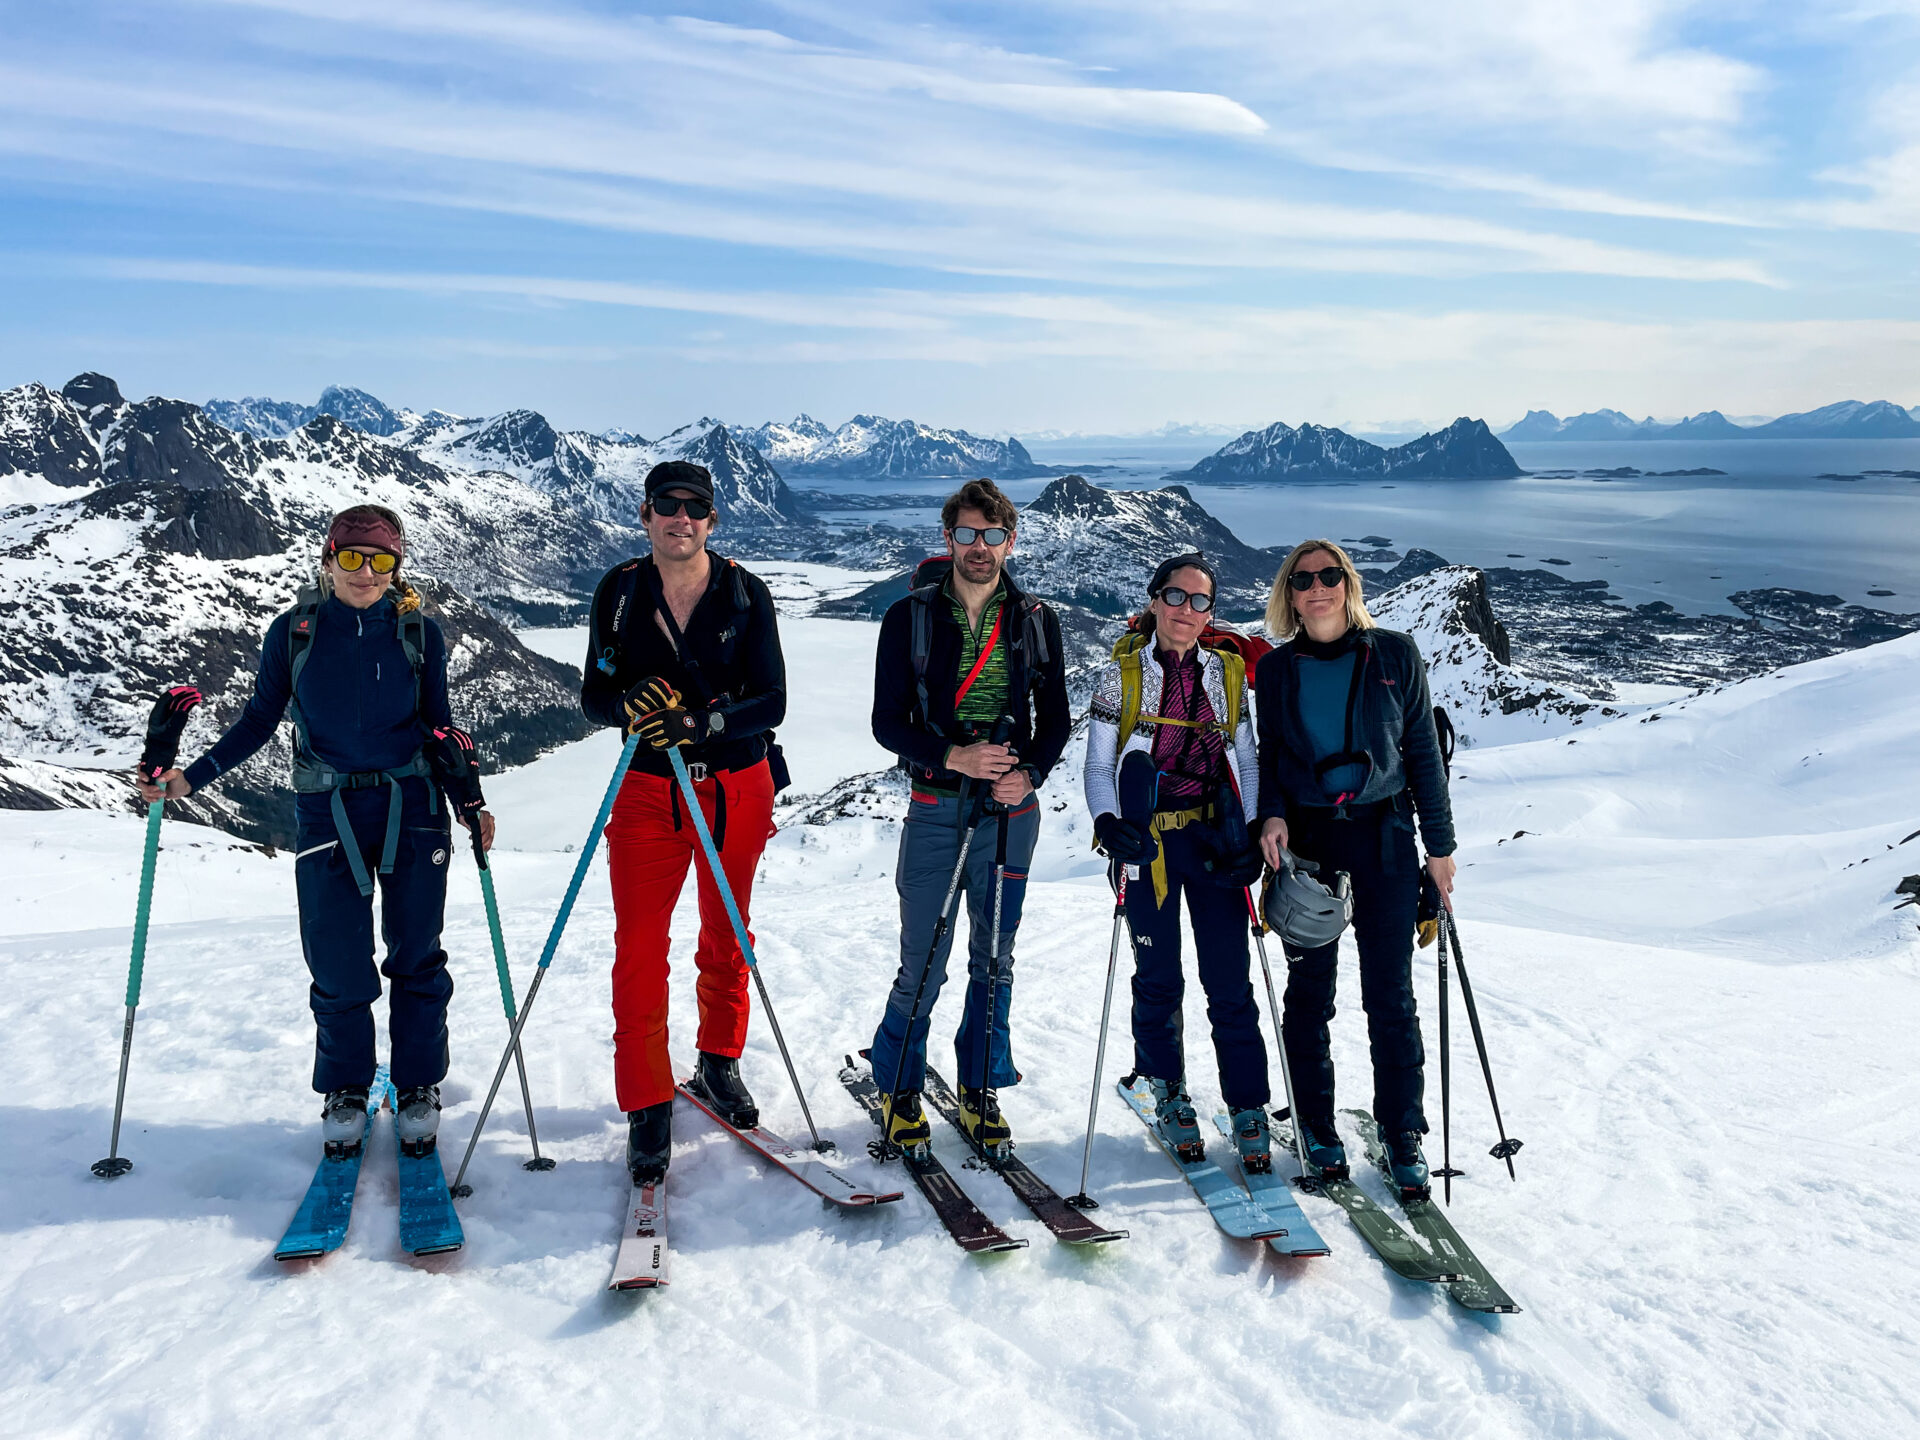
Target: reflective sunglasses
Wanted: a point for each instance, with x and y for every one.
(380, 562)
(1174, 597)
(674, 504)
(995, 535)
(1331, 577)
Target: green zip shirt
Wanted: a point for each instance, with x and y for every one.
(987, 700)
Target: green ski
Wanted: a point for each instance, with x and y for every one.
(1475, 1289)
(1404, 1255)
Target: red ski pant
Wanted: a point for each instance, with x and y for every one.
(650, 842)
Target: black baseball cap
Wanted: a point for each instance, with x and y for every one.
(1192, 560)
(680, 475)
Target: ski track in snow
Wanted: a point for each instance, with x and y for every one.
(1699, 1005)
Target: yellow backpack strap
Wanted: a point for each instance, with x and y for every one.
(1129, 697)
(1234, 677)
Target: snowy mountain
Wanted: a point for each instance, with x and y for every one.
(276, 419)
(1847, 420)
(192, 537)
(603, 474)
(1469, 661)
(1464, 450)
(870, 447)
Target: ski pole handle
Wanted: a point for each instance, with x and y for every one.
(164, 727)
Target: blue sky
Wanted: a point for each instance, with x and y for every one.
(1097, 216)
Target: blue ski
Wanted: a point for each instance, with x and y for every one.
(1236, 1211)
(1274, 1193)
(320, 1224)
(429, 1225)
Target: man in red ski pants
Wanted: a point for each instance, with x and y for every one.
(685, 650)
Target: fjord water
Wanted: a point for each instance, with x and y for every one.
(1688, 540)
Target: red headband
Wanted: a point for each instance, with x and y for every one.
(366, 529)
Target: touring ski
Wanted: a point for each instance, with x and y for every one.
(429, 1225)
(809, 1167)
(1403, 1255)
(1274, 1193)
(1475, 1289)
(320, 1224)
(1067, 1224)
(641, 1263)
(972, 1231)
(1237, 1211)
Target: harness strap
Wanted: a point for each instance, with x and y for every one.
(986, 652)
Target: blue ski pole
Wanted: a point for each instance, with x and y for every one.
(740, 931)
(459, 1188)
(164, 727)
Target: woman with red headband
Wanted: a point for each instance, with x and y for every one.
(364, 674)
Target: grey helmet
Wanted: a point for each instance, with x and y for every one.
(1302, 911)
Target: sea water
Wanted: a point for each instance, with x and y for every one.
(1769, 520)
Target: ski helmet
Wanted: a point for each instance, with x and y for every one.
(1301, 910)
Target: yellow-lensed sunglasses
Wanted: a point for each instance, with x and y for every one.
(382, 562)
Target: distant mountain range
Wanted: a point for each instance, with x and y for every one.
(1848, 420)
(1465, 450)
(869, 447)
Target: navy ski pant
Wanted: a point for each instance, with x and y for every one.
(336, 933)
(1219, 919)
(929, 849)
(1377, 851)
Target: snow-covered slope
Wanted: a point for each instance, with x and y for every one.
(1717, 1171)
(871, 447)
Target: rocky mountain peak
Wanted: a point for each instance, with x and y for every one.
(171, 442)
(90, 390)
(44, 433)
(358, 409)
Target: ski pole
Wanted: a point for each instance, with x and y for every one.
(1446, 1084)
(993, 953)
(1084, 1201)
(538, 1162)
(1308, 1176)
(1506, 1149)
(740, 932)
(164, 727)
(546, 957)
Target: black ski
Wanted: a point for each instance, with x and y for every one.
(1049, 1207)
(972, 1231)
(1476, 1289)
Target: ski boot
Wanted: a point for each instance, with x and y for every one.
(908, 1129)
(650, 1143)
(983, 1123)
(1178, 1123)
(1407, 1164)
(416, 1119)
(716, 1080)
(1326, 1153)
(343, 1122)
(1254, 1138)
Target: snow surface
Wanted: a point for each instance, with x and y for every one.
(1700, 1011)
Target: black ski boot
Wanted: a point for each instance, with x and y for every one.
(343, 1122)
(1407, 1164)
(716, 1080)
(650, 1143)
(1325, 1150)
(416, 1119)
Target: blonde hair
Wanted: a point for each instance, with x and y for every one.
(1283, 621)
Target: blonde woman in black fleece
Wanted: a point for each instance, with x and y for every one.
(1349, 762)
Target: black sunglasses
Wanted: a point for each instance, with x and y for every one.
(674, 504)
(966, 534)
(1173, 597)
(1331, 577)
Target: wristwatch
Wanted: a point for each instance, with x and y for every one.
(716, 722)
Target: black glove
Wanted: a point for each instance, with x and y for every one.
(672, 726)
(1123, 840)
(643, 699)
(164, 727)
(1237, 870)
(1426, 915)
(456, 768)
